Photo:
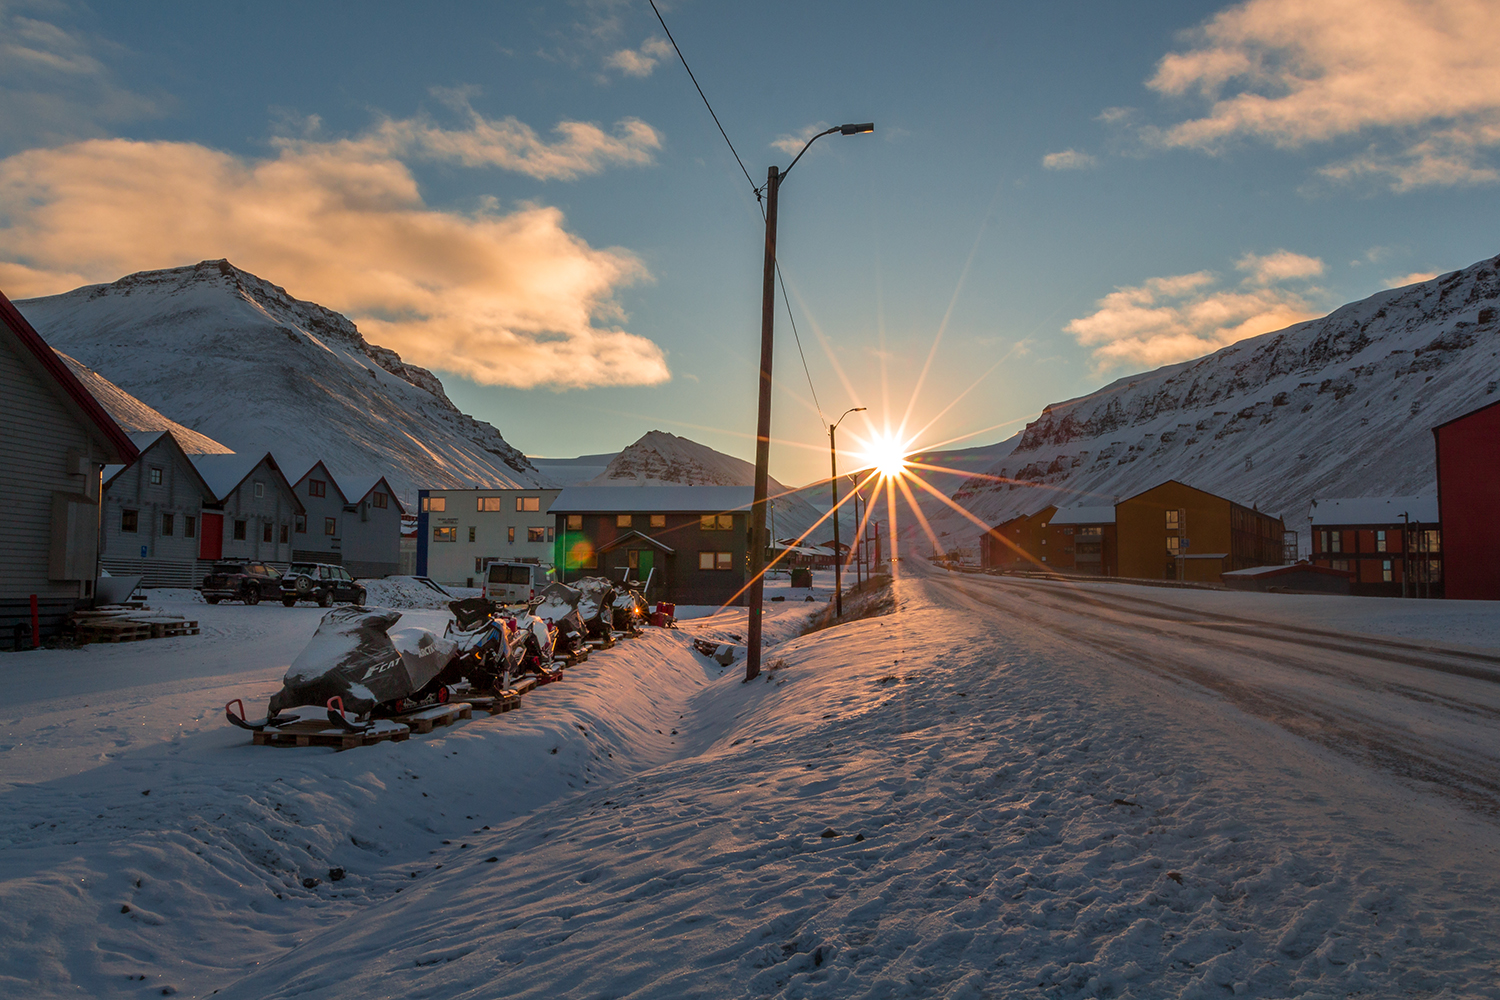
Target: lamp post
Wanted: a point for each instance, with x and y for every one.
(774, 177)
(838, 557)
(859, 541)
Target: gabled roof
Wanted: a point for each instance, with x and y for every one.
(634, 536)
(225, 473)
(363, 487)
(1085, 515)
(1374, 510)
(652, 499)
(72, 393)
(327, 476)
(134, 416)
(145, 441)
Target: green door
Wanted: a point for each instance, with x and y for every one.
(647, 559)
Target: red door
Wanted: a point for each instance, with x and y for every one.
(211, 536)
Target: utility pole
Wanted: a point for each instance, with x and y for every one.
(838, 562)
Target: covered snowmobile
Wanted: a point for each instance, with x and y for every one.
(630, 611)
(559, 604)
(355, 657)
(595, 605)
(498, 644)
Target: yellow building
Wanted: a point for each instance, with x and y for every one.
(1176, 532)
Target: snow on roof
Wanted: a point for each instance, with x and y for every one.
(1374, 510)
(135, 417)
(223, 473)
(657, 499)
(1084, 515)
(1283, 570)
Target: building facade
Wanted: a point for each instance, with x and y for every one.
(1084, 540)
(689, 543)
(372, 530)
(1021, 543)
(1468, 481)
(1391, 546)
(253, 515)
(318, 532)
(55, 440)
(1178, 532)
(153, 509)
(460, 532)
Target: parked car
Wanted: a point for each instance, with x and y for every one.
(248, 582)
(320, 582)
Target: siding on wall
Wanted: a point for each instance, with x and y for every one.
(168, 559)
(1468, 476)
(313, 545)
(372, 537)
(278, 506)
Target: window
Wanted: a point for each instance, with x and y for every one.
(435, 504)
(1432, 541)
(1337, 538)
(1174, 522)
(716, 560)
(490, 504)
(575, 522)
(1386, 575)
(379, 500)
(1323, 541)
(634, 558)
(536, 534)
(189, 527)
(529, 504)
(330, 525)
(284, 535)
(549, 533)
(478, 564)
(716, 522)
(299, 524)
(167, 524)
(1380, 544)
(155, 476)
(129, 519)
(472, 532)
(445, 534)
(622, 520)
(510, 535)
(317, 488)
(265, 531)
(239, 530)
(658, 520)
(1174, 545)
(260, 490)
(1341, 564)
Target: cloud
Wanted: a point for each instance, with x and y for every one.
(1166, 320)
(1068, 159)
(791, 145)
(54, 84)
(1411, 279)
(504, 299)
(641, 61)
(1419, 78)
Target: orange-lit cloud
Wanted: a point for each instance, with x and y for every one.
(503, 298)
(1166, 320)
(1420, 78)
(1068, 159)
(641, 61)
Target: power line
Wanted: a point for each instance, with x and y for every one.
(792, 319)
(710, 107)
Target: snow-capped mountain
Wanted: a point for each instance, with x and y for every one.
(1341, 406)
(134, 416)
(235, 357)
(659, 458)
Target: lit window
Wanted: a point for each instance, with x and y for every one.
(330, 525)
(379, 500)
(449, 534)
(658, 520)
(488, 504)
(316, 488)
(536, 534)
(1386, 574)
(716, 522)
(510, 535)
(472, 531)
(1174, 545)
(1380, 546)
(716, 560)
(155, 476)
(549, 533)
(622, 520)
(1338, 541)
(575, 522)
(529, 504)
(167, 525)
(435, 504)
(1173, 521)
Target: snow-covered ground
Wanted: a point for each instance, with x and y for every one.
(1003, 789)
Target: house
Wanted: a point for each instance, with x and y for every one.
(153, 508)
(372, 529)
(1084, 540)
(1178, 532)
(691, 543)
(55, 440)
(460, 532)
(1020, 543)
(1392, 546)
(317, 533)
(253, 511)
(1468, 482)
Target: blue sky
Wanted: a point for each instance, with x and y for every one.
(531, 199)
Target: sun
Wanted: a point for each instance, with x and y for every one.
(887, 454)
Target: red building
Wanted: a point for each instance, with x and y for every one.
(1468, 477)
(1393, 546)
(1020, 543)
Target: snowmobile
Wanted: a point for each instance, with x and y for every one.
(595, 605)
(629, 611)
(496, 645)
(560, 604)
(355, 662)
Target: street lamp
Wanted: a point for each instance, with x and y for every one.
(838, 557)
(859, 540)
(774, 177)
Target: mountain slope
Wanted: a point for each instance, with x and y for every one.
(135, 416)
(659, 458)
(237, 358)
(1335, 407)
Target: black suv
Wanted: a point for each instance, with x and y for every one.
(320, 582)
(247, 582)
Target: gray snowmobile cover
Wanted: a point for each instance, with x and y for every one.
(354, 656)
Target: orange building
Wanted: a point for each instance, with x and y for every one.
(1176, 532)
(1084, 540)
(1020, 543)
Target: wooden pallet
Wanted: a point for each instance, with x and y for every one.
(112, 630)
(318, 733)
(505, 701)
(522, 684)
(601, 642)
(424, 719)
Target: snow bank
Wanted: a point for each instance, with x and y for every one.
(410, 592)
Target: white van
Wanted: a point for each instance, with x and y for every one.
(513, 583)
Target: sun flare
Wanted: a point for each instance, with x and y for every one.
(887, 455)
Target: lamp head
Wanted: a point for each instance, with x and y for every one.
(856, 129)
